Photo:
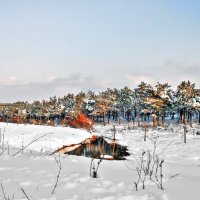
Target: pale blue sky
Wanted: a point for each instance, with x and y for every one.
(52, 47)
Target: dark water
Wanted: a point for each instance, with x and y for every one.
(99, 147)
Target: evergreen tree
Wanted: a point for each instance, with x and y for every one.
(142, 92)
(185, 95)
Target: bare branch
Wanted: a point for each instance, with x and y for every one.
(58, 161)
(34, 140)
(24, 193)
(4, 194)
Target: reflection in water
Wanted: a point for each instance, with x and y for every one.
(96, 147)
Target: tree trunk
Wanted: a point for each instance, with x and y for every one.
(172, 116)
(181, 116)
(154, 121)
(185, 131)
(145, 117)
(199, 117)
(113, 152)
(145, 131)
(191, 119)
(104, 119)
(188, 116)
(114, 130)
(116, 116)
(183, 119)
(138, 119)
(109, 117)
(158, 119)
(163, 119)
(133, 120)
(119, 119)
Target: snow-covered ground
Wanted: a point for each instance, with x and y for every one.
(34, 171)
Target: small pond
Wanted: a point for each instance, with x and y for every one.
(97, 147)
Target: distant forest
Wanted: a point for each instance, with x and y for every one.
(145, 103)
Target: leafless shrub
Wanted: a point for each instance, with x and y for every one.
(149, 165)
(93, 169)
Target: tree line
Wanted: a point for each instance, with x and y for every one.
(142, 104)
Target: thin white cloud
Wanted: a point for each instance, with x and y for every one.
(14, 91)
(172, 72)
(13, 88)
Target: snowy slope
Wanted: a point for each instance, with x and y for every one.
(58, 136)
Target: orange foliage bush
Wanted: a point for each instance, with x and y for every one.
(17, 120)
(34, 121)
(50, 123)
(81, 121)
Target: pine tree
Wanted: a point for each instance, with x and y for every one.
(185, 95)
(142, 92)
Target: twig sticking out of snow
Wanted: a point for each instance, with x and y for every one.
(25, 193)
(3, 151)
(185, 132)
(8, 147)
(34, 140)
(4, 194)
(93, 173)
(58, 161)
(2, 138)
(175, 175)
(139, 172)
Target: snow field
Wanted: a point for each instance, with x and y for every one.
(36, 172)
